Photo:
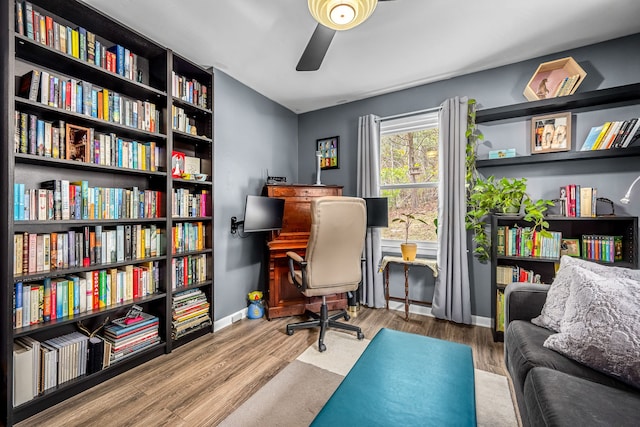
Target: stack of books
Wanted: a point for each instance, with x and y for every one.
(190, 312)
(615, 134)
(130, 336)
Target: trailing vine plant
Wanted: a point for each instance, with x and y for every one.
(490, 195)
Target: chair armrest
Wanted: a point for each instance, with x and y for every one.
(523, 301)
(295, 259)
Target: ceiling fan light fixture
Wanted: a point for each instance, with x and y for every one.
(341, 14)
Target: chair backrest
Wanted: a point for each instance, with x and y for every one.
(336, 241)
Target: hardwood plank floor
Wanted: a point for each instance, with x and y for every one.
(201, 383)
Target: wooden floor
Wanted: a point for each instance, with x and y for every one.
(201, 383)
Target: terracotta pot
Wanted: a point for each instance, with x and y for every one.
(409, 251)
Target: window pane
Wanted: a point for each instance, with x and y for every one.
(409, 157)
(420, 201)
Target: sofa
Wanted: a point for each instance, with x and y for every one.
(595, 385)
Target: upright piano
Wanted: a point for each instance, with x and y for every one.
(283, 298)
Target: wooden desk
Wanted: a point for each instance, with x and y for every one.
(283, 298)
(384, 266)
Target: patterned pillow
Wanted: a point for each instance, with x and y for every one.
(601, 325)
(553, 309)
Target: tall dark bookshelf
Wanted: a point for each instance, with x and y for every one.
(571, 228)
(18, 55)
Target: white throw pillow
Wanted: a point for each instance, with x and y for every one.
(601, 325)
(554, 306)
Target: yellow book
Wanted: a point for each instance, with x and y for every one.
(586, 194)
(75, 44)
(105, 104)
(603, 132)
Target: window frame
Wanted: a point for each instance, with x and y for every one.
(410, 123)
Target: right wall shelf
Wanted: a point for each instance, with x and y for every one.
(580, 102)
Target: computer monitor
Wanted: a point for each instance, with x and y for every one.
(377, 212)
(263, 213)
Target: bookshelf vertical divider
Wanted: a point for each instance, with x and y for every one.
(125, 183)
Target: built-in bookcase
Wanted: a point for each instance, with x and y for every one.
(545, 266)
(88, 169)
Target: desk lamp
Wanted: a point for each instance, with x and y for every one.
(627, 197)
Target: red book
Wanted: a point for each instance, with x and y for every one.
(54, 299)
(96, 290)
(136, 282)
(49, 26)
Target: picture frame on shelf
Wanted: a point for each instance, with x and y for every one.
(551, 133)
(177, 164)
(329, 152)
(570, 247)
(77, 139)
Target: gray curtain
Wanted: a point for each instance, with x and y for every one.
(451, 297)
(372, 289)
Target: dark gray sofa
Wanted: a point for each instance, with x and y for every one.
(551, 389)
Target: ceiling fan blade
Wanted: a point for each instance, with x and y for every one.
(313, 54)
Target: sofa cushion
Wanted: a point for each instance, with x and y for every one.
(601, 326)
(524, 351)
(553, 398)
(554, 306)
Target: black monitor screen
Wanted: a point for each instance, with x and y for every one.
(263, 213)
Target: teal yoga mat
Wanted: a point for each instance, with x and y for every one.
(404, 379)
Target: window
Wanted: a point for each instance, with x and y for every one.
(409, 177)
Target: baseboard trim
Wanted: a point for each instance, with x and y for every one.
(484, 322)
(228, 320)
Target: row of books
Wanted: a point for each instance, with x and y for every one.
(565, 87)
(82, 97)
(190, 312)
(48, 139)
(189, 90)
(182, 122)
(128, 338)
(188, 270)
(36, 253)
(41, 366)
(506, 274)
(64, 200)
(77, 42)
(577, 201)
(66, 297)
(615, 134)
(602, 248)
(525, 242)
(188, 237)
(186, 204)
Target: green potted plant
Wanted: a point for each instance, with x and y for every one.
(489, 195)
(409, 250)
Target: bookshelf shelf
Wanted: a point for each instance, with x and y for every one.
(571, 228)
(583, 101)
(69, 320)
(566, 156)
(146, 78)
(49, 58)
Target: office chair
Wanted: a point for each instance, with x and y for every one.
(332, 262)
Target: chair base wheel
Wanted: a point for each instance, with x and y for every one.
(360, 336)
(289, 331)
(322, 347)
(346, 316)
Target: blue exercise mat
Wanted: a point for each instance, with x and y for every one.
(404, 379)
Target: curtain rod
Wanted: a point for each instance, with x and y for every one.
(411, 113)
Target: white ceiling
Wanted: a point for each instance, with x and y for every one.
(404, 43)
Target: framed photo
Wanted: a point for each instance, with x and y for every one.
(77, 143)
(551, 133)
(328, 148)
(177, 164)
(570, 247)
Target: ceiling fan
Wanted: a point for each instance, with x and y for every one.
(332, 16)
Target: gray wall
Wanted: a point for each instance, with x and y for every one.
(607, 64)
(252, 134)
